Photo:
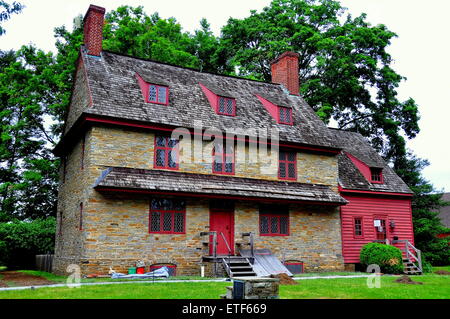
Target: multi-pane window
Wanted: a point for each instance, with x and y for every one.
(167, 216)
(223, 159)
(158, 94)
(166, 152)
(287, 166)
(273, 221)
(357, 227)
(226, 106)
(376, 175)
(380, 229)
(284, 115)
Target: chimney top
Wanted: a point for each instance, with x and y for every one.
(95, 8)
(93, 29)
(285, 54)
(285, 71)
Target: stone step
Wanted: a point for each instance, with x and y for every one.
(243, 273)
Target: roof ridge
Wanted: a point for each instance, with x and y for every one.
(189, 68)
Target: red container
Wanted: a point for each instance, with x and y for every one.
(140, 270)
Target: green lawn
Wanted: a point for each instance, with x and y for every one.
(63, 279)
(434, 287)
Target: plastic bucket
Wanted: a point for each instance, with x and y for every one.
(131, 270)
(141, 270)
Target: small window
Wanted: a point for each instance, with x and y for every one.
(273, 221)
(357, 227)
(167, 216)
(158, 94)
(376, 175)
(223, 159)
(81, 216)
(166, 152)
(83, 146)
(284, 115)
(287, 166)
(226, 106)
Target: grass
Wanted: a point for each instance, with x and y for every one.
(63, 279)
(322, 274)
(434, 287)
(441, 268)
(176, 290)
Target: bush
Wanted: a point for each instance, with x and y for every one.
(389, 258)
(427, 268)
(20, 241)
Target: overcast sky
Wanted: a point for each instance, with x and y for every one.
(421, 51)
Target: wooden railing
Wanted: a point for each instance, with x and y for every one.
(252, 242)
(411, 253)
(226, 243)
(214, 241)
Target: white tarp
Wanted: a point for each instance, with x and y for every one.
(160, 272)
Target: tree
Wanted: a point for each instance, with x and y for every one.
(345, 71)
(426, 202)
(6, 10)
(27, 168)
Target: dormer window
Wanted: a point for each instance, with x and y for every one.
(376, 175)
(226, 106)
(284, 115)
(158, 94)
(153, 89)
(280, 113)
(222, 102)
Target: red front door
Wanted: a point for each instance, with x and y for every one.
(222, 222)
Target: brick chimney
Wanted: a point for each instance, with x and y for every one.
(285, 71)
(93, 29)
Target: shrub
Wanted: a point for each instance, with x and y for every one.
(389, 258)
(20, 241)
(427, 268)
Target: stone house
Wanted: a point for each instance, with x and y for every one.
(153, 155)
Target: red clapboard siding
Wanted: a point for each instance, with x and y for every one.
(368, 207)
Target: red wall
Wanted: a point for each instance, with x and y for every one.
(367, 207)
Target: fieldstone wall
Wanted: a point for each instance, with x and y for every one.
(80, 96)
(135, 149)
(115, 226)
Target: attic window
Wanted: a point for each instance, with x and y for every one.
(376, 175)
(226, 106)
(284, 115)
(158, 94)
(281, 114)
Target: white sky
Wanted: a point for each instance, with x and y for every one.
(421, 51)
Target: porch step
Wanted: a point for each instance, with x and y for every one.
(238, 266)
(244, 274)
(410, 268)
